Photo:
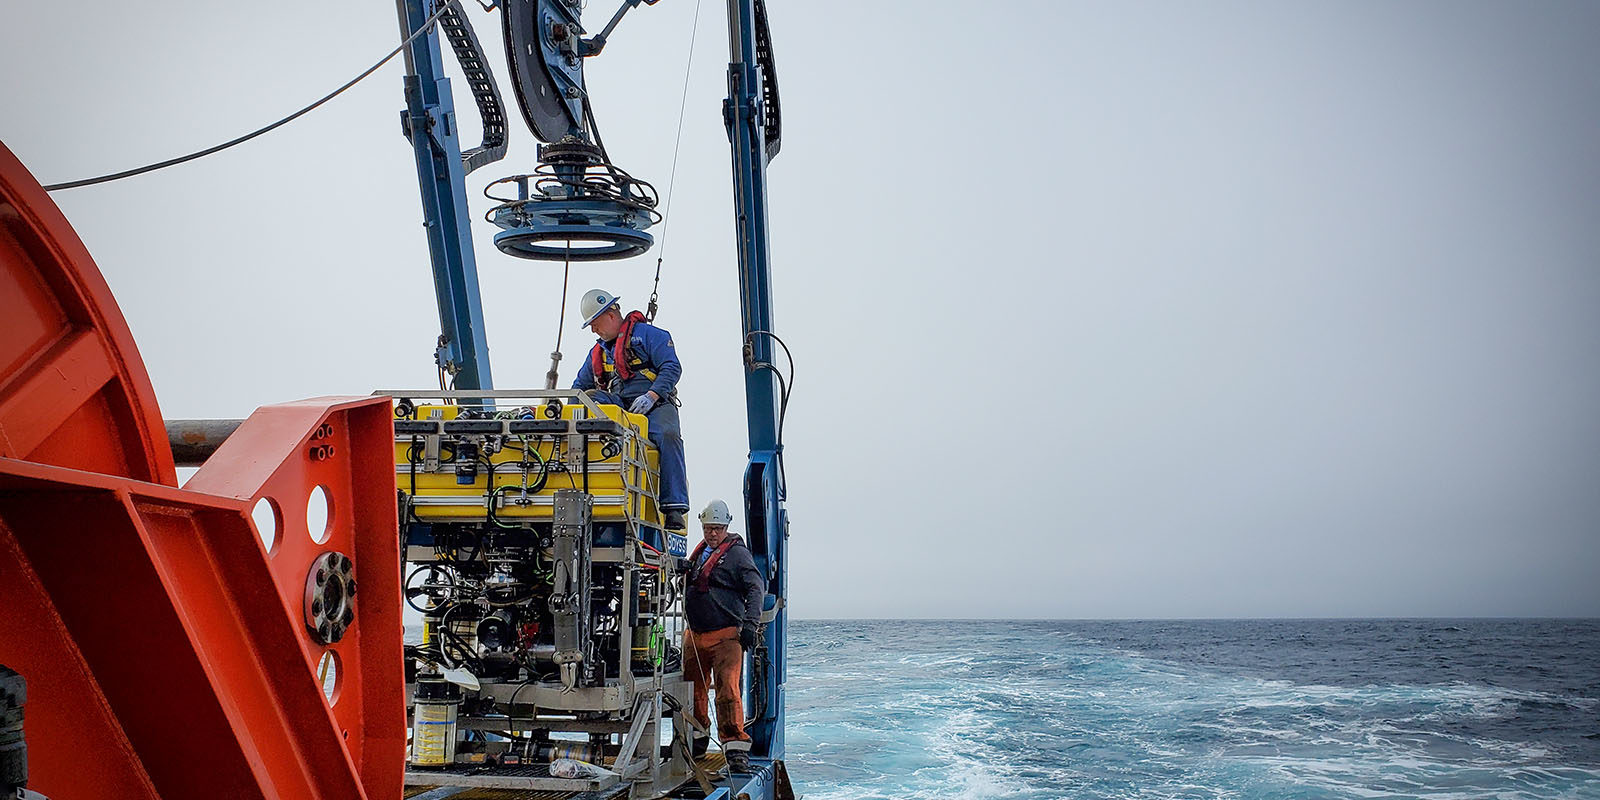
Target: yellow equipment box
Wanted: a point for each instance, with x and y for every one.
(504, 466)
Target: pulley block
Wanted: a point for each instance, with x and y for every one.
(576, 206)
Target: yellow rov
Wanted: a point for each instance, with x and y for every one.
(457, 462)
(549, 590)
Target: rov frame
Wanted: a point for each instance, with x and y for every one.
(464, 467)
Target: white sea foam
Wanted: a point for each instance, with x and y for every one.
(1083, 722)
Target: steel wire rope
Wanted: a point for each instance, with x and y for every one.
(551, 377)
(700, 667)
(171, 162)
(672, 177)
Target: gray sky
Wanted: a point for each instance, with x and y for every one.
(1101, 310)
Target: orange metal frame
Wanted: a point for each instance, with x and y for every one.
(163, 642)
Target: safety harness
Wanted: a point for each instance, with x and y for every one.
(621, 363)
(702, 578)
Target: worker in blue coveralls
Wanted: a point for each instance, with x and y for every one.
(643, 380)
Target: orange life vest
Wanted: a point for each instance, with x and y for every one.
(702, 578)
(622, 364)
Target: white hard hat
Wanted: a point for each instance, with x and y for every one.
(716, 513)
(594, 303)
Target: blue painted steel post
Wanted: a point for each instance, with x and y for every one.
(764, 513)
(429, 121)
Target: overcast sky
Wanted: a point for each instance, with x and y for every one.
(1122, 309)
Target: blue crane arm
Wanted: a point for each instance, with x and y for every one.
(751, 115)
(429, 121)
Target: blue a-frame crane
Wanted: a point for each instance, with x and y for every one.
(545, 54)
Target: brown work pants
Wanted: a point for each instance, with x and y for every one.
(715, 659)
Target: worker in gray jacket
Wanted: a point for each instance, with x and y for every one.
(723, 606)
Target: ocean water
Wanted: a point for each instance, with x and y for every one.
(1195, 709)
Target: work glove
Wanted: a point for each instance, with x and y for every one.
(642, 404)
(747, 638)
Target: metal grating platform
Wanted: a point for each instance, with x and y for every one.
(535, 777)
(462, 793)
(430, 789)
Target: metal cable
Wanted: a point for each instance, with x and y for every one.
(426, 26)
(561, 324)
(784, 386)
(595, 179)
(672, 177)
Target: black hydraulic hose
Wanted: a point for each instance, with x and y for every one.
(413, 455)
(784, 386)
(544, 466)
(172, 162)
(489, 500)
(455, 640)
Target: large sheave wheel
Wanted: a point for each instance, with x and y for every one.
(73, 389)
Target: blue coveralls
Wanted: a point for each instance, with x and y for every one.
(651, 349)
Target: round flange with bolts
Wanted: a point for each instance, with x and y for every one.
(543, 240)
(330, 599)
(576, 206)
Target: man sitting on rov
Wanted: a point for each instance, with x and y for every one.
(634, 365)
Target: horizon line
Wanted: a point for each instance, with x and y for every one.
(1507, 618)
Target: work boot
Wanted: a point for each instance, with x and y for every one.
(674, 521)
(739, 761)
(698, 747)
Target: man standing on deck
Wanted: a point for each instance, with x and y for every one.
(723, 606)
(635, 366)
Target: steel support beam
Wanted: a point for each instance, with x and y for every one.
(195, 440)
(429, 121)
(766, 519)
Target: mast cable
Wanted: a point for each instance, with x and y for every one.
(426, 26)
(561, 324)
(672, 178)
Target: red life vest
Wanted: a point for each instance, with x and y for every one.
(620, 361)
(702, 578)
